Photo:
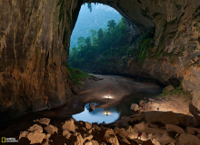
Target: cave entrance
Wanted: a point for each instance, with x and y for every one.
(99, 39)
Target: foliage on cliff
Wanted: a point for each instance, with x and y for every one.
(142, 46)
(102, 48)
(76, 76)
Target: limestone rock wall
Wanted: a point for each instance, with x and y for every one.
(176, 54)
(33, 46)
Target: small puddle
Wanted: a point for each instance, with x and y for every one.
(99, 115)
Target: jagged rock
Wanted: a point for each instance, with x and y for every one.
(109, 132)
(155, 142)
(92, 106)
(97, 127)
(187, 139)
(44, 121)
(192, 130)
(140, 126)
(134, 107)
(36, 128)
(69, 125)
(112, 140)
(66, 134)
(87, 137)
(121, 132)
(91, 129)
(47, 139)
(51, 129)
(88, 125)
(23, 134)
(141, 103)
(162, 138)
(92, 142)
(124, 140)
(36, 137)
(83, 128)
(175, 128)
(79, 139)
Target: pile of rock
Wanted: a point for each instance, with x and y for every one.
(157, 128)
(138, 108)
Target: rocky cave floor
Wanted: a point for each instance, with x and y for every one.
(171, 124)
(157, 127)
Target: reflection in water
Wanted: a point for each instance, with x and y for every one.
(109, 115)
(99, 115)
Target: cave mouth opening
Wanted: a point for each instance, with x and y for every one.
(103, 41)
(99, 39)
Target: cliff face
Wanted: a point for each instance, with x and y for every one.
(176, 51)
(34, 45)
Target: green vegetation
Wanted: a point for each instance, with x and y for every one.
(103, 48)
(76, 76)
(95, 20)
(178, 91)
(143, 45)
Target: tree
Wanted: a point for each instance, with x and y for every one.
(111, 24)
(81, 41)
(88, 42)
(100, 35)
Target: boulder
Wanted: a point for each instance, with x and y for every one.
(92, 142)
(124, 140)
(155, 142)
(36, 137)
(88, 125)
(92, 106)
(141, 103)
(90, 131)
(121, 132)
(175, 128)
(87, 137)
(112, 140)
(66, 134)
(83, 128)
(43, 121)
(51, 129)
(134, 107)
(97, 127)
(109, 132)
(69, 125)
(23, 134)
(36, 128)
(46, 139)
(192, 130)
(79, 139)
(161, 117)
(188, 139)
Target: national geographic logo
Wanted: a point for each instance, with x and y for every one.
(3, 140)
(8, 140)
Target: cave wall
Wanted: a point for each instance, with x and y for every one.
(34, 42)
(34, 45)
(176, 51)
